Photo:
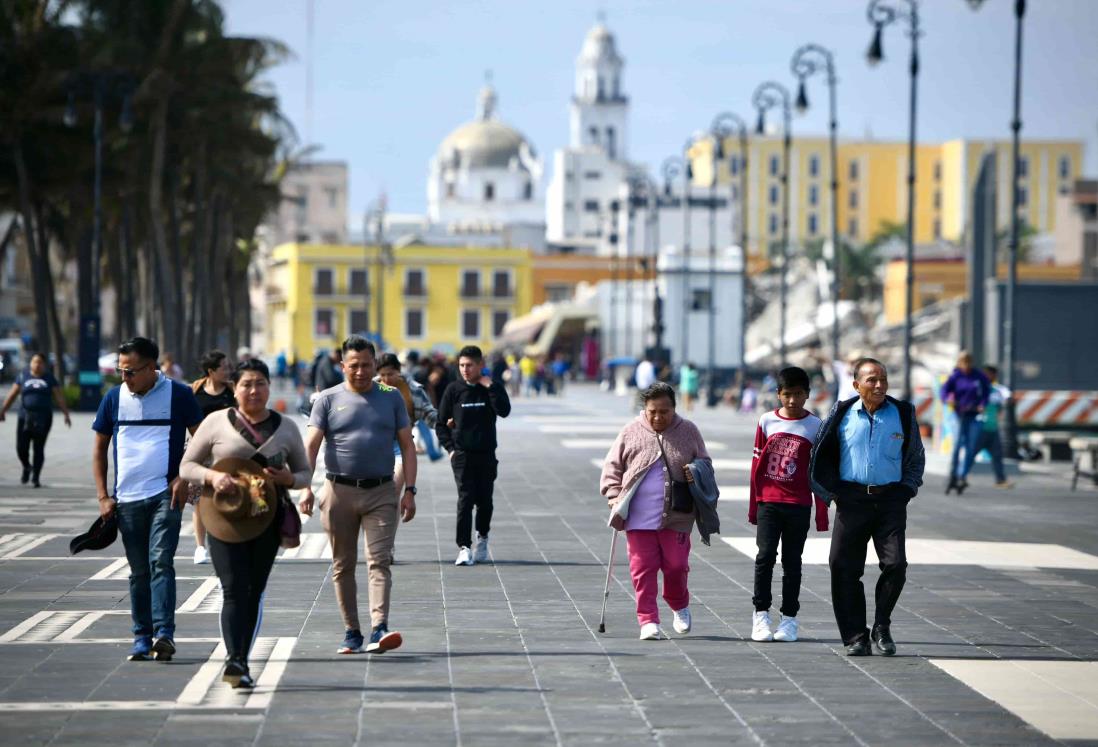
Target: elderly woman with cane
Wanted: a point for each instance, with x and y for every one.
(645, 478)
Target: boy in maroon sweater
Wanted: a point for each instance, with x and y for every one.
(781, 502)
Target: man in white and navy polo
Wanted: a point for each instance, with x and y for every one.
(146, 418)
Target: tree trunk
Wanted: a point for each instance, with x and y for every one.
(30, 238)
(162, 265)
(51, 297)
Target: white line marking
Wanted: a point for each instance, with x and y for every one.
(78, 627)
(89, 705)
(604, 444)
(742, 465)
(272, 672)
(24, 544)
(26, 625)
(734, 492)
(107, 641)
(577, 428)
(109, 572)
(199, 596)
(195, 691)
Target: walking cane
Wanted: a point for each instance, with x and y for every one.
(609, 573)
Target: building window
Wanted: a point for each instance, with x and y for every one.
(413, 323)
(470, 283)
(333, 196)
(773, 223)
(559, 292)
(501, 284)
(323, 325)
(937, 171)
(489, 191)
(592, 175)
(1065, 167)
(451, 189)
(1023, 166)
(775, 166)
(853, 199)
(499, 319)
(814, 165)
(937, 229)
(813, 226)
(734, 165)
(700, 300)
(813, 195)
(1023, 197)
(591, 206)
(470, 324)
(359, 323)
(937, 200)
(852, 228)
(772, 194)
(593, 135)
(413, 283)
(359, 282)
(528, 191)
(735, 192)
(853, 170)
(323, 281)
(611, 143)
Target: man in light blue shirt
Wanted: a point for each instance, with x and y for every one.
(869, 460)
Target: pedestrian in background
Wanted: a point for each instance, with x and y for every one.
(967, 389)
(869, 462)
(989, 432)
(645, 478)
(780, 502)
(688, 385)
(214, 392)
(418, 404)
(147, 417)
(357, 421)
(37, 390)
(467, 430)
(243, 545)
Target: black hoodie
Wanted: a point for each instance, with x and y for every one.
(474, 409)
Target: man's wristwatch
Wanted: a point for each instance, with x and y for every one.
(410, 489)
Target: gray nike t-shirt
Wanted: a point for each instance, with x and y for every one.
(359, 429)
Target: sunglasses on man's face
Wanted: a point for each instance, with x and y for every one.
(129, 372)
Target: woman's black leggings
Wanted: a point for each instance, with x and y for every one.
(243, 568)
(36, 437)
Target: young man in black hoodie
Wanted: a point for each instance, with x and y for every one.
(466, 428)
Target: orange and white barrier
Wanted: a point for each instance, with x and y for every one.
(1056, 408)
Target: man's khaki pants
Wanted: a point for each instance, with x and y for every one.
(345, 511)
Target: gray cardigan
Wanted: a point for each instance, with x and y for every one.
(216, 438)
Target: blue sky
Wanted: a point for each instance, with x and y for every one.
(391, 79)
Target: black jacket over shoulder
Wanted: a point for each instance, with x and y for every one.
(474, 409)
(824, 469)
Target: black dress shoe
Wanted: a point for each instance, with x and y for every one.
(951, 485)
(26, 476)
(882, 641)
(961, 486)
(236, 671)
(859, 647)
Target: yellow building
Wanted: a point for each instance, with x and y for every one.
(431, 297)
(940, 280)
(873, 185)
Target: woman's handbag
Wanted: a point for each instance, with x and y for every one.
(682, 500)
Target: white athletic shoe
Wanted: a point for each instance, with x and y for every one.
(651, 632)
(787, 629)
(480, 550)
(201, 555)
(683, 621)
(465, 557)
(760, 626)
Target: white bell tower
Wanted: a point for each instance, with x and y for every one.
(600, 109)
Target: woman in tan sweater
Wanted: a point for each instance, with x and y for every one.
(249, 431)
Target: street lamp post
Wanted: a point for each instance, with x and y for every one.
(767, 96)
(687, 180)
(672, 168)
(724, 124)
(100, 86)
(612, 238)
(881, 13)
(807, 61)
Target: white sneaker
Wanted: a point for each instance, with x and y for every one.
(683, 621)
(787, 629)
(651, 632)
(480, 550)
(760, 626)
(201, 555)
(465, 557)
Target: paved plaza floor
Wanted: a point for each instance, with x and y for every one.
(997, 628)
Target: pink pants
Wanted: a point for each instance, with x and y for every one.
(653, 550)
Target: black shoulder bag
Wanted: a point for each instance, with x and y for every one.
(682, 500)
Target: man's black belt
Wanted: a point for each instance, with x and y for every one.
(364, 483)
(859, 488)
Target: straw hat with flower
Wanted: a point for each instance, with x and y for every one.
(247, 511)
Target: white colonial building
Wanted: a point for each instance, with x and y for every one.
(485, 177)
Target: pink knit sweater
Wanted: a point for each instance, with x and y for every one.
(636, 449)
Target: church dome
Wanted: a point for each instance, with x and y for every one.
(485, 142)
(599, 46)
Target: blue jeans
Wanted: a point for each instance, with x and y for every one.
(991, 441)
(433, 452)
(150, 533)
(968, 438)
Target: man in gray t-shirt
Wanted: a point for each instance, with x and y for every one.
(360, 429)
(358, 421)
